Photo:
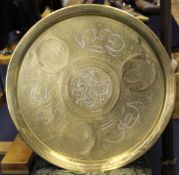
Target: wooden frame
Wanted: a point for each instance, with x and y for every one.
(168, 159)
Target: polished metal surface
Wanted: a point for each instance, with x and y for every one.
(90, 88)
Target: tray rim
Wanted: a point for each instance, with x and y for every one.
(115, 14)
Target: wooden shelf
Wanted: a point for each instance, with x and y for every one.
(5, 59)
(18, 158)
(4, 146)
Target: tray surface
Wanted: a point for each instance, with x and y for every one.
(90, 88)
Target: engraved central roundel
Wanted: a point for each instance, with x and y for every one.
(90, 87)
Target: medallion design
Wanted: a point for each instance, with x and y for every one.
(91, 88)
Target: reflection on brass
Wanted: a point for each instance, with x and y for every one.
(90, 88)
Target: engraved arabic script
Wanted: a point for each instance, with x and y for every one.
(91, 88)
(104, 41)
(41, 93)
(114, 131)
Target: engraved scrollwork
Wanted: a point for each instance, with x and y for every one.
(103, 41)
(90, 88)
(114, 131)
(137, 46)
(41, 93)
(131, 115)
(47, 113)
(139, 72)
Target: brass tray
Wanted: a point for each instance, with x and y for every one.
(90, 88)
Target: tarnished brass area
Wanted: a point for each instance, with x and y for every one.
(90, 88)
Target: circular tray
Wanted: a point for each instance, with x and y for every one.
(90, 88)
